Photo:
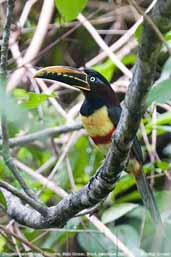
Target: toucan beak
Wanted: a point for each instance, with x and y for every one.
(68, 75)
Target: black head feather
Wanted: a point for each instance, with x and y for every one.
(100, 94)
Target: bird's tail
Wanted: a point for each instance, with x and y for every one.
(147, 195)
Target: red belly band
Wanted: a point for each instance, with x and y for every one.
(103, 139)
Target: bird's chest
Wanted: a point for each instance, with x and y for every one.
(99, 126)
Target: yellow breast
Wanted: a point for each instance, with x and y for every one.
(98, 123)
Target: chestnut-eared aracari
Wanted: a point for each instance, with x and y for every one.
(100, 114)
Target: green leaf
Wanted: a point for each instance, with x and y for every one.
(162, 119)
(163, 165)
(68, 9)
(160, 93)
(3, 200)
(106, 69)
(138, 32)
(73, 224)
(167, 36)
(123, 185)
(34, 100)
(128, 235)
(117, 211)
(19, 93)
(10, 107)
(129, 59)
(98, 244)
(31, 100)
(128, 197)
(2, 244)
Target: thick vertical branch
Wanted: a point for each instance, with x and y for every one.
(143, 78)
(5, 39)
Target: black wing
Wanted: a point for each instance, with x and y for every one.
(114, 114)
(141, 181)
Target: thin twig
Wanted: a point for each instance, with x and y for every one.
(103, 45)
(20, 60)
(24, 197)
(17, 230)
(36, 43)
(63, 155)
(107, 232)
(43, 180)
(5, 152)
(152, 24)
(48, 164)
(9, 162)
(42, 134)
(26, 10)
(154, 132)
(94, 220)
(147, 143)
(70, 174)
(31, 246)
(120, 42)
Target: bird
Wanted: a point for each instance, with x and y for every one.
(100, 114)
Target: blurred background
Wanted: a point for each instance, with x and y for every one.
(46, 33)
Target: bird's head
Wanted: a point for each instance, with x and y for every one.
(87, 80)
(90, 82)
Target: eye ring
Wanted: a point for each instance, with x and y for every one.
(92, 79)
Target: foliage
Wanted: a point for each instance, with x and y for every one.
(70, 9)
(31, 108)
(3, 200)
(31, 100)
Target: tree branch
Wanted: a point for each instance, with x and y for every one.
(35, 205)
(5, 39)
(49, 132)
(36, 42)
(108, 174)
(143, 75)
(24, 241)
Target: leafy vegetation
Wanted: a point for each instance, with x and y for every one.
(32, 107)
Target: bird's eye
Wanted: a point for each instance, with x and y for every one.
(92, 79)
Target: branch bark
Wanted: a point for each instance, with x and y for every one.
(23, 197)
(42, 134)
(5, 39)
(107, 175)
